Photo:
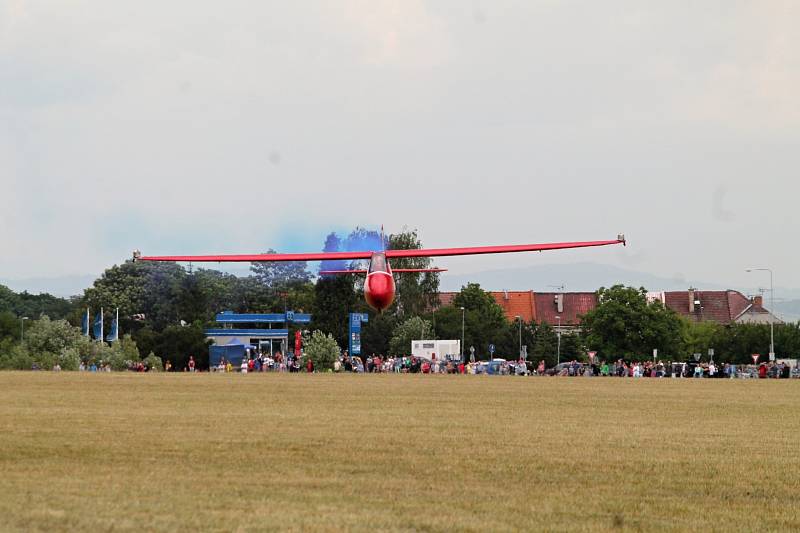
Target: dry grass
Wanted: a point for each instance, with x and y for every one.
(324, 452)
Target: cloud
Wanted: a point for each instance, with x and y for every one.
(399, 34)
(183, 126)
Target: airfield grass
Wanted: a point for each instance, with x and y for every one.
(81, 451)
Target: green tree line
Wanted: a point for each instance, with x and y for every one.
(165, 307)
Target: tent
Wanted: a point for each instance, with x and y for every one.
(234, 352)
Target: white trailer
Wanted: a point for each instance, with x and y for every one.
(440, 350)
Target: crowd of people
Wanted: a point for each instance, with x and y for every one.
(265, 362)
(651, 369)
(377, 363)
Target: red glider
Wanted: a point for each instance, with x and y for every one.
(379, 287)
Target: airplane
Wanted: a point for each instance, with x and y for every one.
(379, 287)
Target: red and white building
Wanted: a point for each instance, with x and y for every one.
(567, 308)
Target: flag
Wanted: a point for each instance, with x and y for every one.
(97, 328)
(113, 335)
(85, 325)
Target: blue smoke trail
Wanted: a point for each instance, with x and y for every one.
(359, 240)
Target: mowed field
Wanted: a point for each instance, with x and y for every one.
(82, 451)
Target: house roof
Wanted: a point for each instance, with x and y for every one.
(722, 307)
(446, 298)
(576, 304)
(537, 306)
(516, 303)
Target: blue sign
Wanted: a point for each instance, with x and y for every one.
(355, 332)
(289, 316)
(491, 349)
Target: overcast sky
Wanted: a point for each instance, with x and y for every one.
(202, 127)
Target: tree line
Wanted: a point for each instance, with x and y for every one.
(164, 309)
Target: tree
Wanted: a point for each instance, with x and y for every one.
(153, 362)
(34, 305)
(123, 352)
(415, 328)
(376, 334)
(334, 299)
(279, 274)
(15, 357)
(9, 325)
(142, 287)
(416, 291)
(625, 324)
(698, 337)
(545, 345)
(176, 344)
(484, 321)
(321, 349)
(48, 338)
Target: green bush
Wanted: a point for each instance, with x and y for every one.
(69, 359)
(16, 358)
(154, 363)
(321, 349)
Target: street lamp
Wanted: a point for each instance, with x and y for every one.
(519, 318)
(462, 334)
(558, 335)
(22, 329)
(772, 309)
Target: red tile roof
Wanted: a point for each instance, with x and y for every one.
(722, 307)
(576, 304)
(537, 306)
(446, 298)
(516, 304)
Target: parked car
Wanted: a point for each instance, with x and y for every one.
(562, 369)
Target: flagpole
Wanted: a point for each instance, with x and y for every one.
(102, 338)
(88, 321)
(117, 323)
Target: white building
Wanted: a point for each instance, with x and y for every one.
(440, 350)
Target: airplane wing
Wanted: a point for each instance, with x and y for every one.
(476, 250)
(255, 258)
(394, 270)
(390, 254)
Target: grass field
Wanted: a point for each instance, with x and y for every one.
(82, 451)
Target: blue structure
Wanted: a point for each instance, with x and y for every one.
(234, 352)
(254, 337)
(355, 332)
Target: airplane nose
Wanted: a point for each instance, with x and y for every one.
(379, 291)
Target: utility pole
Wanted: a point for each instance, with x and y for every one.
(772, 309)
(558, 335)
(462, 334)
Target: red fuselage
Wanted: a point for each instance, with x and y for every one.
(379, 286)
